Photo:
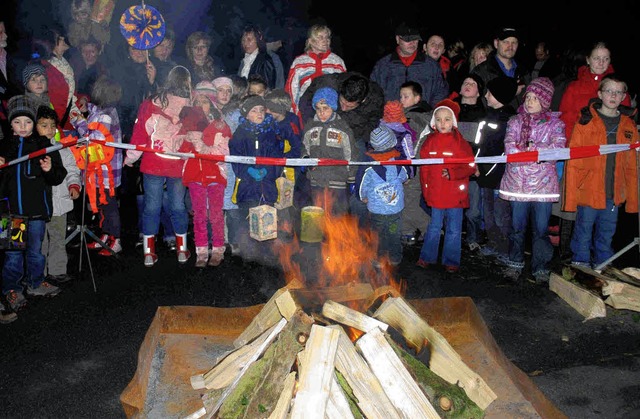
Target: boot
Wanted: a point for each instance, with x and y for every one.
(149, 248)
(181, 248)
(96, 245)
(203, 256)
(113, 244)
(217, 256)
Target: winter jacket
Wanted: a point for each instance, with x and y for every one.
(577, 94)
(492, 145)
(158, 128)
(535, 181)
(332, 139)
(255, 141)
(109, 118)
(418, 116)
(307, 67)
(490, 69)
(438, 191)
(382, 186)
(60, 197)
(390, 72)
(265, 67)
(585, 177)
(25, 184)
(214, 140)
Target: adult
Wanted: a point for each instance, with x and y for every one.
(82, 26)
(546, 65)
(8, 86)
(502, 61)
(457, 55)
(88, 67)
(316, 61)
(257, 59)
(161, 55)
(435, 48)
(406, 63)
(202, 65)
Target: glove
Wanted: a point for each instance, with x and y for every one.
(257, 174)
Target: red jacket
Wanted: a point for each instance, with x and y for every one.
(438, 191)
(214, 140)
(58, 92)
(577, 96)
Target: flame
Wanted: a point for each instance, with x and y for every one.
(353, 333)
(349, 254)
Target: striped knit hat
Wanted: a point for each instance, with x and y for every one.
(31, 70)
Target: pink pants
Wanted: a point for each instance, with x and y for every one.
(206, 202)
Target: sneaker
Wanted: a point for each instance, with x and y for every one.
(44, 290)
(511, 273)
(6, 316)
(96, 245)
(450, 269)
(202, 257)
(473, 246)
(422, 264)
(114, 245)
(183, 256)
(59, 279)
(235, 250)
(541, 277)
(488, 251)
(16, 300)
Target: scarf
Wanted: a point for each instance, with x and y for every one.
(528, 122)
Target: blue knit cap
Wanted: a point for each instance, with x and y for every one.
(329, 95)
(382, 138)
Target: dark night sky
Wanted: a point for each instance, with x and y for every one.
(364, 32)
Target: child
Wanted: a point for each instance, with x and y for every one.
(53, 244)
(27, 185)
(496, 211)
(380, 187)
(393, 117)
(417, 111)
(444, 187)
(255, 184)
(105, 96)
(329, 136)
(206, 179)
(532, 187)
(257, 85)
(596, 186)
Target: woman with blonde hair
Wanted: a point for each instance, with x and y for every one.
(202, 65)
(316, 61)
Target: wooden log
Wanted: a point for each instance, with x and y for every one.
(266, 318)
(257, 393)
(284, 401)
(310, 297)
(585, 276)
(586, 302)
(444, 361)
(621, 295)
(627, 275)
(350, 317)
(380, 294)
(316, 374)
(286, 305)
(370, 396)
(337, 405)
(403, 392)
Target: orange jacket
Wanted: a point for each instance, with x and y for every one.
(585, 177)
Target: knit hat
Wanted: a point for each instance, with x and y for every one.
(278, 101)
(223, 81)
(543, 88)
(478, 81)
(503, 88)
(448, 104)
(21, 105)
(250, 102)
(382, 138)
(329, 95)
(393, 112)
(31, 70)
(206, 88)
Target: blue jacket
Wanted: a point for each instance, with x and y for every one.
(390, 72)
(382, 186)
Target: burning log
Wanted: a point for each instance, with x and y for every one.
(350, 317)
(445, 361)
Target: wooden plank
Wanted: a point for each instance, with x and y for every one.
(337, 405)
(286, 305)
(371, 398)
(310, 297)
(628, 275)
(404, 393)
(586, 302)
(266, 318)
(621, 295)
(352, 318)
(316, 374)
(444, 361)
(284, 401)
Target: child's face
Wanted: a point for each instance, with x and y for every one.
(202, 101)
(256, 89)
(90, 54)
(22, 126)
(612, 94)
(223, 95)
(256, 114)
(469, 89)
(492, 102)
(444, 120)
(37, 84)
(408, 98)
(531, 103)
(277, 116)
(323, 111)
(46, 127)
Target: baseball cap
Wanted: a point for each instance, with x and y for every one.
(504, 33)
(408, 33)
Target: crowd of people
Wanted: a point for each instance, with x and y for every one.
(433, 102)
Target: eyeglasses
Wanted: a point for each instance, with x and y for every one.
(614, 92)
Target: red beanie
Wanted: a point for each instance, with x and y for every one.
(446, 103)
(394, 112)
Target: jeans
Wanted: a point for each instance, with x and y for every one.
(593, 233)
(388, 227)
(167, 228)
(497, 221)
(542, 250)
(153, 197)
(451, 218)
(13, 270)
(473, 214)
